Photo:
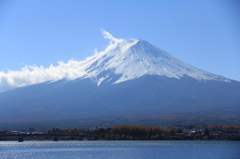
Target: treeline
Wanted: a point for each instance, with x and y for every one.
(177, 132)
(129, 133)
(67, 131)
(223, 128)
(136, 132)
(194, 132)
(212, 128)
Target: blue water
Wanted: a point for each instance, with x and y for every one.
(120, 149)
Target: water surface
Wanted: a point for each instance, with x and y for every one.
(120, 149)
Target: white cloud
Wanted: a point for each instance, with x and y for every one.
(33, 74)
(37, 74)
(107, 35)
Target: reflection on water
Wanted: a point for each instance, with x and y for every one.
(120, 149)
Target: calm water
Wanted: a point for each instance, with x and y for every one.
(120, 149)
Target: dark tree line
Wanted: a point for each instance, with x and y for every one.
(197, 132)
(136, 132)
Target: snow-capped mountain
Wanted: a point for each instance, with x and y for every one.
(134, 58)
(129, 78)
(128, 59)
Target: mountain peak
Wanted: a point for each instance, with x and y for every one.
(134, 58)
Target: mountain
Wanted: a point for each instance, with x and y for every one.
(132, 59)
(131, 81)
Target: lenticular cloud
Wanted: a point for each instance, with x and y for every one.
(33, 74)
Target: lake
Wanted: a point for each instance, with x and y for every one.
(120, 149)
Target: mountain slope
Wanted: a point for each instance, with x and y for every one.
(129, 78)
(135, 58)
(145, 96)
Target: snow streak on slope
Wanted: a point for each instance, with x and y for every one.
(127, 58)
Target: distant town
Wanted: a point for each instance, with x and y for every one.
(197, 132)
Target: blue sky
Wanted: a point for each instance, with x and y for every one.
(204, 34)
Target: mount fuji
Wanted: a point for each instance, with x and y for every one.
(132, 59)
(131, 82)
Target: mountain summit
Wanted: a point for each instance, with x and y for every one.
(134, 58)
(131, 82)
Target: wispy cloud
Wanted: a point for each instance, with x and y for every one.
(107, 35)
(37, 74)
